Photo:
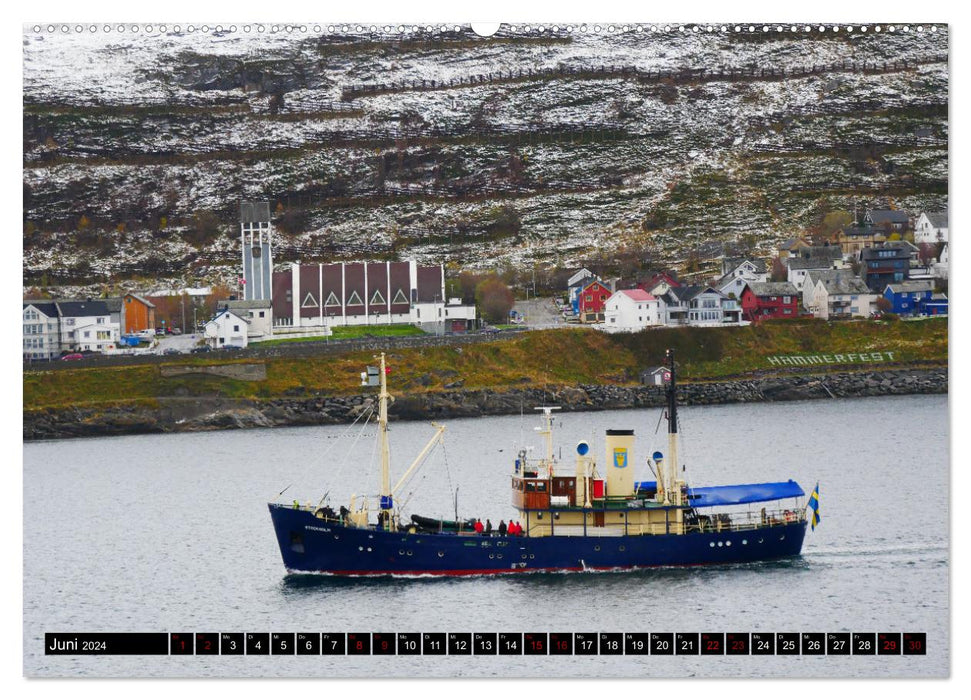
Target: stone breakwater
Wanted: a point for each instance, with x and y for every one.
(188, 414)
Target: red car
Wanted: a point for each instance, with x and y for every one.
(73, 356)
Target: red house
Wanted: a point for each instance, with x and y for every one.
(762, 300)
(592, 300)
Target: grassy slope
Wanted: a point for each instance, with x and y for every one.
(568, 356)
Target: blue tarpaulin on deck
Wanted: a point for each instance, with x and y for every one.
(736, 493)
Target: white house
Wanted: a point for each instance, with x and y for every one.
(632, 310)
(736, 273)
(452, 317)
(227, 328)
(54, 327)
(709, 307)
(799, 267)
(96, 337)
(931, 227)
(841, 295)
(258, 313)
(41, 330)
(87, 325)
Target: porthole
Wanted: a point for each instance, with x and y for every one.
(744, 541)
(721, 544)
(596, 548)
(781, 537)
(491, 555)
(401, 552)
(622, 548)
(441, 554)
(532, 556)
(370, 537)
(761, 540)
(369, 549)
(728, 543)
(337, 537)
(409, 552)
(524, 556)
(711, 544)
(360, 549)
(498, 556)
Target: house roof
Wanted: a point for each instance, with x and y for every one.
(637, 294)
(653, 370)
(657, 277)
(938, 219)
(814, 263)
(758, 264)
(831, 252)
(584, 281)
(902, 248)
(687, 292)
(880, 216)
(141, 299)
(773, 289)
(113, 304)
(791, 243)
(83, 308)
(911, 286)
(226, 312)
(842, 282)
(590, 284)
(243, 304)
(48, 308)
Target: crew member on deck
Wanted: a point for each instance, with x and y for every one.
(478, 526)
(488, 528)
(502, 528)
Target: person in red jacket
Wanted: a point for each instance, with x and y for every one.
(478, 526)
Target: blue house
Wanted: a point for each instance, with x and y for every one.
(935, 306)
(906, 297)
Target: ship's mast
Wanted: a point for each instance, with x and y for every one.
(385, 452)
(672, 459)
(548, 433)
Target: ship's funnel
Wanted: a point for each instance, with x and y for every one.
(620, 464)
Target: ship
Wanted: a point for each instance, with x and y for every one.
(584, 517)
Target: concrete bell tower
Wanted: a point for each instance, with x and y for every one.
(256, 239)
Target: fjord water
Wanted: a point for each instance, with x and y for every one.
(170, 533)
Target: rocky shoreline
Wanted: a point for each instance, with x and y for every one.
(185, 414)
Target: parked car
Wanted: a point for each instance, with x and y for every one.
(170, 351)
(202, 348)
(73, 356)
(175, 331)
(231, 347)
(159, 331)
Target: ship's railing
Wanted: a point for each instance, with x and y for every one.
(733, 522)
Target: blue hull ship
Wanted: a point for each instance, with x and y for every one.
(310, 545)
(593, 518)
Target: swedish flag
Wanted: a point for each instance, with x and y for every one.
(814, 504)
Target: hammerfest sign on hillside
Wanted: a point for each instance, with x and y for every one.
(846, 358)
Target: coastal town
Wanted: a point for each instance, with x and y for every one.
(881, 263)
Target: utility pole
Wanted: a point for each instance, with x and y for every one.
(182, 301)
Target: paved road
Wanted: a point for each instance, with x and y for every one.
(540, 313)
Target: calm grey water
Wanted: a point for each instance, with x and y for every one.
(171, 534)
